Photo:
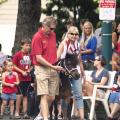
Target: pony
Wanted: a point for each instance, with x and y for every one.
(71, 65)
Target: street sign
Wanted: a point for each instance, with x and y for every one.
(107, 9)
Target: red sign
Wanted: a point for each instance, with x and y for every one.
(107, 4)
(107, 9)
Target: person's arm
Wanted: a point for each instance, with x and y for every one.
(5, 83)
(44, 62)
(17, 79)
(37, 51)
(103, 81)
(87, 51)
(29, 70)
(119, 78)
(114, 38)
(92, 46)
(81, 66)
(60, 50)
(104, 78)
(90, 80)
(24, 73)
(15, 60)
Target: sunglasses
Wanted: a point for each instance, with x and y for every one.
(88, 27)
(74, 34)
(97, 59)
(52, 28)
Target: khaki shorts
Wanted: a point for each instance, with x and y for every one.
(47, 81)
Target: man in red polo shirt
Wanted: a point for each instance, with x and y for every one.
(44, 54)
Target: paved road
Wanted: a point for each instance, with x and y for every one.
(6, 117)
(100, 113)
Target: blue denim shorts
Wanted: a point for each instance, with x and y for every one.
(114, 97)
(6, 96)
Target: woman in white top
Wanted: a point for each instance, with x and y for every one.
(70, 45)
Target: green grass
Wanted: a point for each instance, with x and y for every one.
(2, 1)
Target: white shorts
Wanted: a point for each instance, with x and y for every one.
(101, 93)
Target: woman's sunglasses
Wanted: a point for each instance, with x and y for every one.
(52, 28)
(97, 59)
(74, 34)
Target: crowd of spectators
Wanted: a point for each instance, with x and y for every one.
(34, 68)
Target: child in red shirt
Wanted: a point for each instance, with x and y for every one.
(9, 80)
(22, 62)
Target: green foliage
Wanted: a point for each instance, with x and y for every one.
(2, 1)
(78, 9)
(118, 3)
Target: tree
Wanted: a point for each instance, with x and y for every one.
(29, 12)
(78, 9)
(118, 3)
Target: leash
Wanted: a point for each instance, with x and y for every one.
(69, 71)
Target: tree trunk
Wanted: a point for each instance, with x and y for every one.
(29, 12)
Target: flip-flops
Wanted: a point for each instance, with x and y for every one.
(17, 117)
(11, 117)
(1, 116)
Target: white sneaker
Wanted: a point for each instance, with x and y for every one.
(59, 117)
(38, 117)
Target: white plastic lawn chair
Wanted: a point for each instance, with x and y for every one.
(104, 100)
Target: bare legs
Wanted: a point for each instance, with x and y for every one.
(88, 89)
(18, 104)
(45, 102)
(115, 107)
(11, 104)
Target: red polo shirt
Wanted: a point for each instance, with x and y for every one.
(44, 45)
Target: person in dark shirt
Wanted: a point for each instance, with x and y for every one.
(98, 77)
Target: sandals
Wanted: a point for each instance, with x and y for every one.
(17, 117)
(11, 117)
(59, 117)
(26, 116)
(1, 116)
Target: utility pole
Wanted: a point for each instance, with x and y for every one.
(107, 15)
(107, 42)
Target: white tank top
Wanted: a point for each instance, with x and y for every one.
(71, 48)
